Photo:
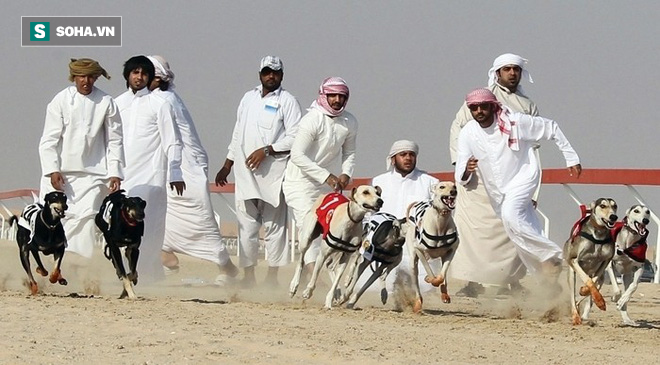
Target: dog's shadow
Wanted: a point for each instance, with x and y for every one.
(204, 301)
(440, 312)
(642, 324)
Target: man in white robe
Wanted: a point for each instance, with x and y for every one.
(486, 254)
(402, 185)
(152, 144)
(266, 122)
(499, 144)
(81, 152)
(322, 155)
(190, 225)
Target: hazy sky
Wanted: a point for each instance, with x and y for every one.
(408, 65)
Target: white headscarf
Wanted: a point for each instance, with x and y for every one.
(162, 68)
(398, 147)
(508, 59)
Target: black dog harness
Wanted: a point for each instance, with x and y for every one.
(375, 231)
(440, 241)
(115, 225)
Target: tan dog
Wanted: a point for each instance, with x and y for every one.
(588, 252)
(342, 238)
(628, 260)
(431, 233)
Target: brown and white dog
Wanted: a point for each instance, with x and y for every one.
(431, 233)
(588, 252)
(340, 221)
(628, 261)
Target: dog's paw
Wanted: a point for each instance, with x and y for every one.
(584, 291)
(383, 296)
(34, 288)
(307, 293)
(133, 277)
(62, 281)
(350, 305)
(446, 298)
(41, 271)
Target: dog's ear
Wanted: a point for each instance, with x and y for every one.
(142, 203)
(353, 193)
(629, 210)
(379, 191)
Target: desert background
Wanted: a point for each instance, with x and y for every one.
(188, 320)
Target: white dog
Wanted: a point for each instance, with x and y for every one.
(630, 255)
(340, 221)
(588, 252)
(431, 233)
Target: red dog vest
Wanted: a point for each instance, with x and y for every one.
(637, 251)
(327, 209)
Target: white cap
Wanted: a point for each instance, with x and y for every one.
(272, 62)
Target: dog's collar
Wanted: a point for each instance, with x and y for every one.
(127, 219)
(348, 211)
(593, 239)
(41, 215)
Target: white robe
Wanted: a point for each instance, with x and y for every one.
(323, 145)
(82, 139)
(511, 177)
(485, 253)
(152, 144)
(190, 226)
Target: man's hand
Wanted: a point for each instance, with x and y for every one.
(57, 181)
(221, 176)
(180, 186)
(115, 184)
(575, 170)
(471, 167)
(343, 181)
(254, 160)
(333, 182)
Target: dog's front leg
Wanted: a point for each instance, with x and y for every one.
(615, 286)
(24, 254)
(56, 275)
(572, 283)
(318, 264)
(359, 270)
(359, 263)
(132, 254)
(595, 294)
(414, 260)
(630, 283)
(41, 270)
(339, 271)
(443, 276)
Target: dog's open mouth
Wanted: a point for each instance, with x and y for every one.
(449, 201)
(608, 223)
(60, 213)
(641, 229)
(371, 207)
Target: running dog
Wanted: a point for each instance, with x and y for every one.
(588, 252)
(431, 233)
(121, 220)
(630, 240)
(40, 230)
(340, 220)
(382, 248)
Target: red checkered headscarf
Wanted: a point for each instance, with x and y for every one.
(331, 85)
(508, 127)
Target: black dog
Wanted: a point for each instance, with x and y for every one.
(121, 219)
(40, 229)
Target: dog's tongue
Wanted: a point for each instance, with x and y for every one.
(641, 228)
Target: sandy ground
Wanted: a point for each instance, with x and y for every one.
(187, 320)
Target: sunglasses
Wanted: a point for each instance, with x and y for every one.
(483, 106)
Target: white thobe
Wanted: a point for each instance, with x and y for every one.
(485, 253)
(323, 145)
(511, 177)
(271, 120)
(152, 144)
(190, 225)
(82, 139)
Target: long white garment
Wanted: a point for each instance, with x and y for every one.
(260, 122)
(152, 144)
(82, 139)
(485, 254)
(322, 145)
(398, 193)
(190, 225)
(510, 178)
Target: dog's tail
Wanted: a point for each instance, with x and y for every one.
(13, 219)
